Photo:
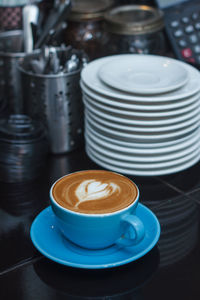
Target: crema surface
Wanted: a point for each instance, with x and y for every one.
(94, 192)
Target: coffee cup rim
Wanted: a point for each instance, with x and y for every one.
(96, 214)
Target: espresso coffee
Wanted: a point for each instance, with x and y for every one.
(94, 192)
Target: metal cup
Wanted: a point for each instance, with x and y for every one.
(55, 99)
(11, 50)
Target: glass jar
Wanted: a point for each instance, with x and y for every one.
(135, 29)
(85, 28)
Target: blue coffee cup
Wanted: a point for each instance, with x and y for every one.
(99, 231)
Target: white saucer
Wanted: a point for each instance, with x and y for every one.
(143, 74)
(126, 106)
(90, 79)
(160, 145)
(143, 172)
(142, 136)
(151, 126)
(142, 104)
(134, 116)
(131, 162)
(140, 154)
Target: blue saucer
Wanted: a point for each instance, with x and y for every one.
(51, 243)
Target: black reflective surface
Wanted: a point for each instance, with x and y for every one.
(171, 270)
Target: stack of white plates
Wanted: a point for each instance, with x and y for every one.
(142, 114)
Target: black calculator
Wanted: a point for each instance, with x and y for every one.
(182, 26)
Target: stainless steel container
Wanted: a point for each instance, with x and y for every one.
(11, 49)
(55, 99)
(23, 148)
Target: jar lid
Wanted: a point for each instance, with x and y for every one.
(87, 9)
(20, 128)
(134, 19)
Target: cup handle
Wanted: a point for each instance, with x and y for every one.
(138, 228)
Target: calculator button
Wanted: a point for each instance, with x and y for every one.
(185, 20)
(197, 26)
(174, 24)
(189, 29)
(182, 43)
(187, 52)
(193, 38)
(195, 16)
(178, 33)
(197, 48)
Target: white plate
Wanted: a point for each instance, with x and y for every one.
(90, 79)
(143, 74)
(141, 136)
(157, 153)
(137, 162)
(154, 172)
(143, 119)
(139, 165)
(160, 145)
(135, 105)
(193, 117)
(114, 154)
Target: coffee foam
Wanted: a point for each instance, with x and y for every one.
(94, 192)
(90, 190)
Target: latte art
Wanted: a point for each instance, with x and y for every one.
(91, 189)
(94, 192)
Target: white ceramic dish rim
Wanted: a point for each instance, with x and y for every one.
(145, 151)
(134, 105)
(92, 68)
(145, 166)
(170, 74)
(141, 145)
(164, 171)
(135, 120)
(192, 118)
(136, 159)
(146, 137)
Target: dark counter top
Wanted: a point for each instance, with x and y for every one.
(171, 270)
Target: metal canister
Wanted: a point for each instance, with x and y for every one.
(11, 50)
(55, 99)
(23, 148)
(135, 29)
